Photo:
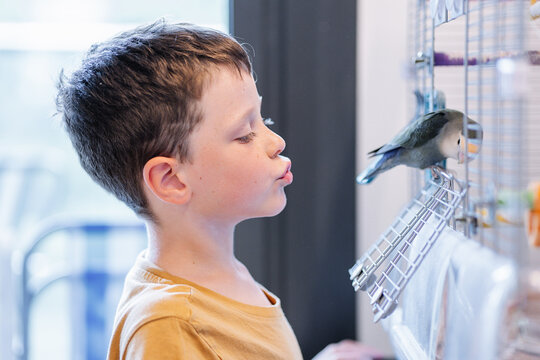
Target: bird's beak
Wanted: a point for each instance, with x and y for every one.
(461, 156)
(473, 148)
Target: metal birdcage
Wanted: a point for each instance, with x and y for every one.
(480, 57)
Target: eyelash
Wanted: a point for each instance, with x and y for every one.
(246, 139)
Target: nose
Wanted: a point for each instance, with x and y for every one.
(276, 144)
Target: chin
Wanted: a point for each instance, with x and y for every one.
(281, 208)
(276, 209)
(273, 209)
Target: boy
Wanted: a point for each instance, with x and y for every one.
(167, 118)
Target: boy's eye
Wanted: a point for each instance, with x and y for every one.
(268, 122)
(246, 139)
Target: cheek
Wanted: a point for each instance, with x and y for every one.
(232, 177)
(243, 177)
(449, 149)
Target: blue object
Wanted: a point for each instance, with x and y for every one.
(90, 280)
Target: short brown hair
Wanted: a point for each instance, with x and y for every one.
(135, 97)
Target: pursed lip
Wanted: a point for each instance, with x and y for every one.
(286, 172)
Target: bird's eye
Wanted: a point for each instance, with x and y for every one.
(459, 141)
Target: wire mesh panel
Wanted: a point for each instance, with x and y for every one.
(495, 50)
(384, 270)
(502, 79)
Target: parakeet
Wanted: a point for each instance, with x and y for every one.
(428, 140)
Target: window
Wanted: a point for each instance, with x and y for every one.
(40, 176)
(37, 40)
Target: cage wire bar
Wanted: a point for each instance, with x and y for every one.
(498, 59)
(502, 80)
(495, 44)
(421, 69)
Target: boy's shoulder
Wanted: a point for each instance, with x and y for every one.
(149, 300)
(162, 300)
(148, 296)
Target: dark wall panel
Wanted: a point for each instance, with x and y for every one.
(304, 54)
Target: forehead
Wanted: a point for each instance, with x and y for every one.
(227, 94)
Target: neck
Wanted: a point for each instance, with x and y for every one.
(186, 248)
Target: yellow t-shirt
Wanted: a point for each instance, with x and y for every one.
(164, 317)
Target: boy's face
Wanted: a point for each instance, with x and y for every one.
(236, 171)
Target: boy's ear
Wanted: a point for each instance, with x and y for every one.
(163, 180)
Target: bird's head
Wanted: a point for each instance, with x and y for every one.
(456, 146)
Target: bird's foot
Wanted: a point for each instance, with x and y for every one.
(442, 174)
(436, 171)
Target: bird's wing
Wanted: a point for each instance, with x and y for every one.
(383, 149)
(416, 134)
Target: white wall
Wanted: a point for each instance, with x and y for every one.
(381, 112)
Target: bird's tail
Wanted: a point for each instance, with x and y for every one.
(380, 164)
(369, 174)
